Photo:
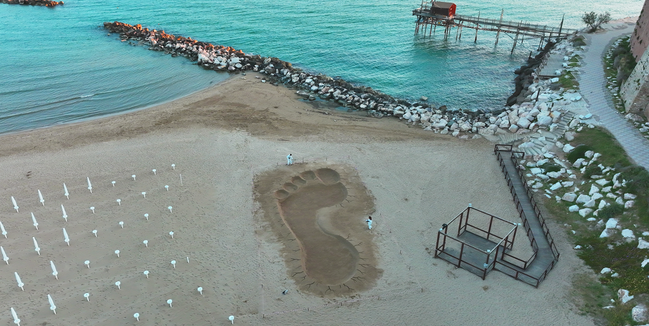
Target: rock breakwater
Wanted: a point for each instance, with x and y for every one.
(521, 119)
(45, 3)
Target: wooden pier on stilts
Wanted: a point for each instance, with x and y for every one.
(435, 13)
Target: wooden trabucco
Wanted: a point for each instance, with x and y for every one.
(427, 22)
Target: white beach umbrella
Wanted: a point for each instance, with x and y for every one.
(146, 273)
(146, 243)
(40, 197)
(65, 191)
(94, 232)
(173, 166)
(121, 223)
(155, 171)
(171, 233)
(34, 221)
(54, 272)
(52, 306)
(89, 184)
(87, 263)
(170, 208)
(133, 176)
(200, 290)
(169, 302)
(173, 262)
(65, 214)
(144, 194)
(113, 183)
(117, 253)
(36, 248)
(13, 201)
(136, 316)
(87, 296)
(4, 255)
(13, 314)
(118, 284)
(119, 202)
(167, 187)
(146, 216)
(231, 319)
(2, 229)
(92, 208)
(21, 285)
(65, 237)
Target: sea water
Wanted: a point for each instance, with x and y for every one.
(58, 65)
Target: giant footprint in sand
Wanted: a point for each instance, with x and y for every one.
(324, 211)
(326, 257)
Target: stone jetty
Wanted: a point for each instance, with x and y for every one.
(45, 3)
(520, 118)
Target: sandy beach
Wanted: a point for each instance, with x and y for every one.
(236, 220)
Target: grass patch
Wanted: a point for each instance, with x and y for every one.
(579, 41)
(600, 141)
(578, 152)
(568, 80)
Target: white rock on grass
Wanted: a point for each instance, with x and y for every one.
(555, 186)
(639, 313)
(590, 203)
(567, 148)
(602, 182)
(643, 244)
(606, 189)
(611, 223)
(628, 234)
(644, 263)
(628, 196)
(568, 183)
(624, 296)
(569, 197)
(582, 199)
(591, 219)
(602, 204)
(578, 162)
(629, 204)
(593, 189)
(585, 211)
(619, 200)
(596, 196)
(605, 270)
(606, 233)
(573, 208)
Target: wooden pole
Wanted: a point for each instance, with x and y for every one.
(516, 38)
(499, 26)
(476, 29)
(561, 25)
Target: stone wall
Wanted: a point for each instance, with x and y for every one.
(635, 90)
(640, 37)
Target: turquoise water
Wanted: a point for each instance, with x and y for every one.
(58, 65)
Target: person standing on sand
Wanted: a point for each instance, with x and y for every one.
(289, 159)
(369, 222)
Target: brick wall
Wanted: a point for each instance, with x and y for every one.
(640, 36)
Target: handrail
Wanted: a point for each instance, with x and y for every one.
(514, 156)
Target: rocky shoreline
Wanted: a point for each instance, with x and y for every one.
(526, 117)
(46, 3)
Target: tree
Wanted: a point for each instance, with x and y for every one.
(594, 21)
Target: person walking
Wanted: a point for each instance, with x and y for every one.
(369, 222)
(289, 159)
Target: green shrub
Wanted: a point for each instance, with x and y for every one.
(551, 167)
(578, 152)
(637, 179)
(592, 170)
(611, 211)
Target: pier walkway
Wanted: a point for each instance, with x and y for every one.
(427, 19)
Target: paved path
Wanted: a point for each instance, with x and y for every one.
(592, 85)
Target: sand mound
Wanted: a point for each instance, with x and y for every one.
(324, 211)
